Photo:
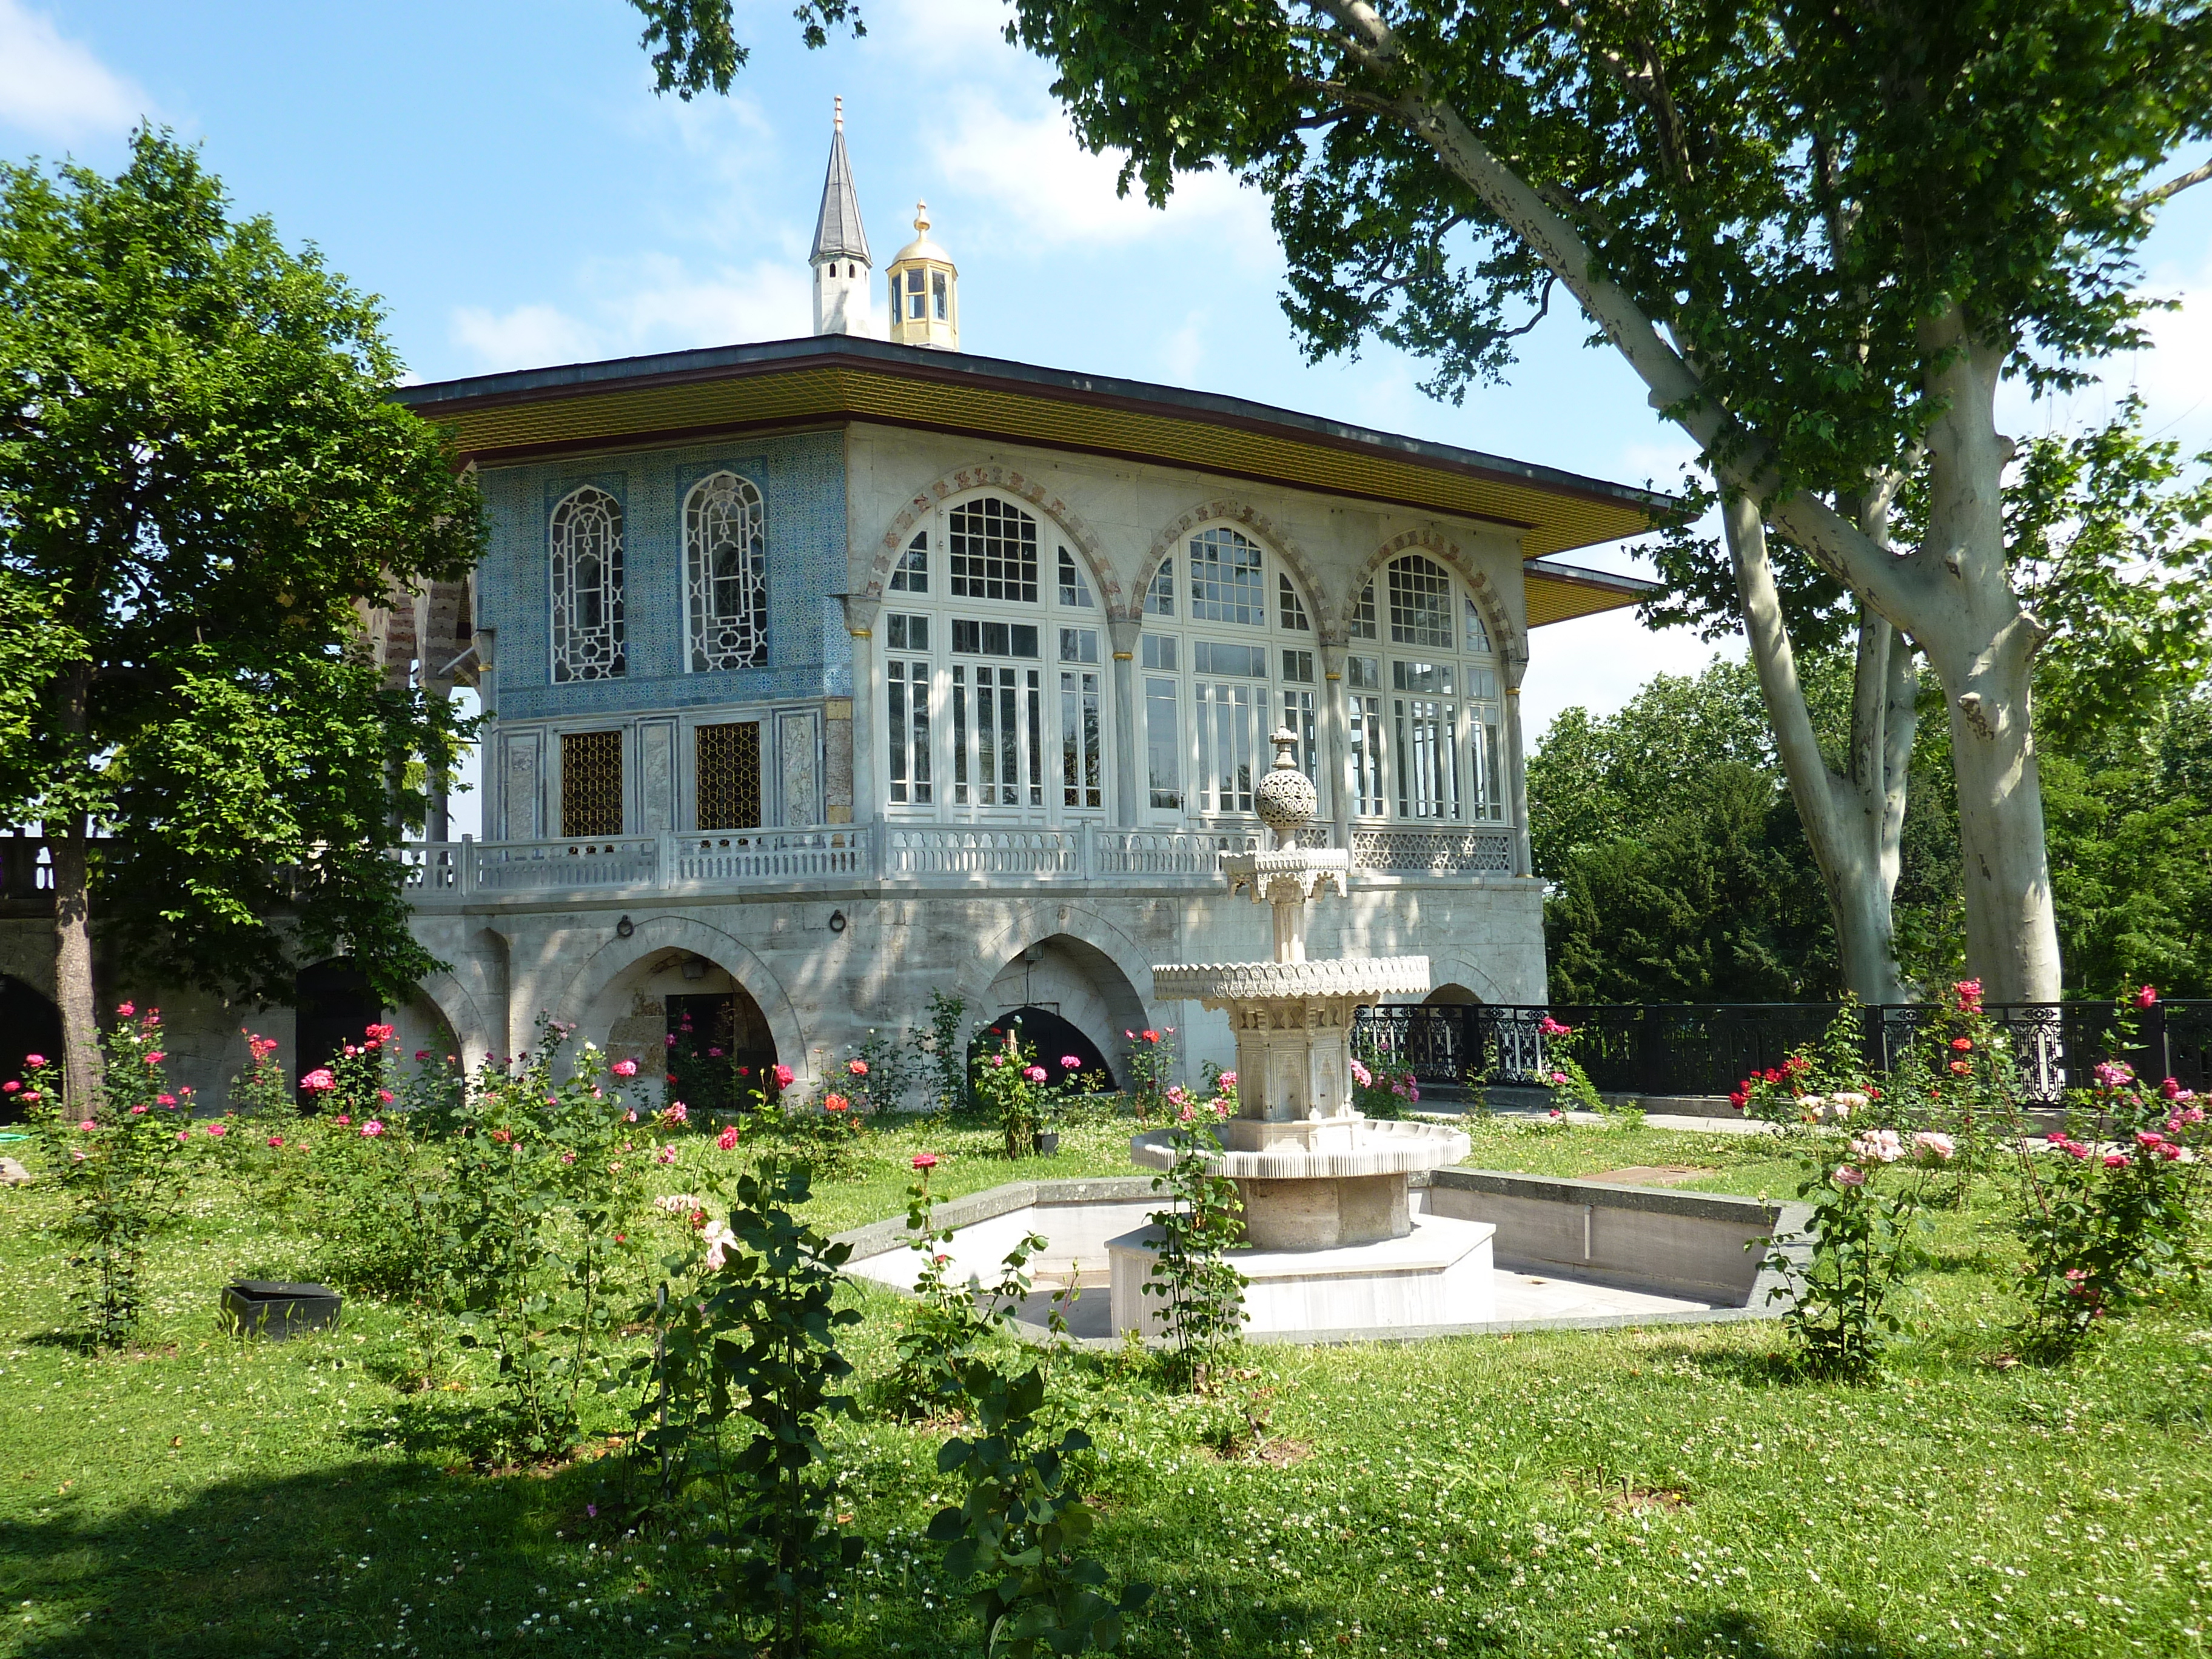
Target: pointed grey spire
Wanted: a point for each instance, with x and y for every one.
(838, 233)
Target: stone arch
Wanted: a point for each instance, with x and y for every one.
(1510, 643)
(457, 1005)
(1104, 950)
(1447, 972)
(990, 476)
(1278, 541)
(657, 934)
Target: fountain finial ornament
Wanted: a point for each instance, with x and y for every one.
(1286, 798)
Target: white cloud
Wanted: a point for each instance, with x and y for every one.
(528, 337)
(1048, 191)
(653, 304)
(55, 88)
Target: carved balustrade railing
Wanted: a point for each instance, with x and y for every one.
(1433, 852)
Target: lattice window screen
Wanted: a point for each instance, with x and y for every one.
(729, 759)
(725, 574)
(591, 783)
(587, 588)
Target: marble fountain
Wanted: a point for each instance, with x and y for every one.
(1354, 1227)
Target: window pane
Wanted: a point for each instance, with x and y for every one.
(586, 581)
(1079, 645)
(1159, 597)
(1421, 603)
(727, 760)
(1425, 756)
(1163, 744)
(940, 292)
(1478, 636)
(1073, 590)
(1362, 614)
(1431, 678)
(1160, 651)
(1366, 715)
(1212, 657)
(1082, 774)
(907, 633)
(993, 552)
(1230, 739)
(725, 574)
(911, 574)
(1298, 715)
(1363, 672)
(1292, 609)
(1225, 578)
(908, 684)
(591, 783)
(960, 757)
(1299, 667)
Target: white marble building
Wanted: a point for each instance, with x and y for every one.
(824, 673)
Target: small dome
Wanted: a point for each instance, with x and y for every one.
(922, 247)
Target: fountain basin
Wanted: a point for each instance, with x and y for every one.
(1320, 1184)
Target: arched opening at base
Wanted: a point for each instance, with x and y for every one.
(29, 1025)
(334, 1007)
(1054, 1039)
(1451, 996)
(718, 1046)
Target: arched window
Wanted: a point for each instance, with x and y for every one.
(995, 694)
(1226, 657)
(1423, 709)
(725, 574)
(587, 588)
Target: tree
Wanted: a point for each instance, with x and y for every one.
(202, 484)
(1821, 235)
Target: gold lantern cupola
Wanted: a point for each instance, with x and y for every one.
(925, 291)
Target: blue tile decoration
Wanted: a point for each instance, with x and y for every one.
(801, 479)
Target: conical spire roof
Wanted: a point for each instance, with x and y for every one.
(837, 231)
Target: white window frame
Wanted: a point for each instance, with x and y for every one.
(715, 643)
(595, 649)
(1419, 754)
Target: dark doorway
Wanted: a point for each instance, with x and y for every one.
(29, 1025)
(334, 1007)
(720, 1050)
(1052, 1037)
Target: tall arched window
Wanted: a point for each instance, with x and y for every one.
(1227, 655)
(1422, 701)
(725, 574)
(587, 588)
(994, 671)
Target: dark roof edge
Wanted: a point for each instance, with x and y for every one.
(1584, 577)
(516, 385)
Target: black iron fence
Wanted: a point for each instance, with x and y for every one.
(1707, 1048)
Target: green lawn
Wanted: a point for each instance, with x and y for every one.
(1658, 1492)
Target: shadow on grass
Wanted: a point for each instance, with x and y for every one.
(354, 1556)
(1741, 1635)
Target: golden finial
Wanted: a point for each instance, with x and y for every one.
(921, 217)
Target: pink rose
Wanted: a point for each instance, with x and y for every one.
(2114, 1073)
(11, 1085)
(215, 1130)
(35, 1060)
(156, 1058)
(386, 1095)
(370, 1130)
(165, 1100)
(857, 1067)
(1228, 1080)
(783, 1075)
(671, 1039)
(422, 1054)
(665, 1154)
(275, 1140)
(1070, 1063)
(89, 1126)
(1848, 1177)
(317, 1081)
(1034, 1074)
(138, 1110)
(2147, 996)
(714, 1053)
(727, 1141)
(126, 1009)
(2117, 1160)
(924, 1160)
(625, 1068)
(1362, 1076)
(678, 1112)
(342, 1120)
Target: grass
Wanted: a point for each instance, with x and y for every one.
(1660, 1492)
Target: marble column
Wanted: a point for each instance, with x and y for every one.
(1335, 744)
(860, 611)
(1128, 774)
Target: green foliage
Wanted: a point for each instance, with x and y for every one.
(547, 1178)
(194, 527)
(1009, 1082)
(2107, 1209)
(768, 1326)
(695, 44)
(1571, 1086)
(1201, 1293)
(1861, 1241)
(1020, 1530)
(1151, 1071)
(119, 1161)
(1382, 1085)
(942, 1050)
(949, 1321)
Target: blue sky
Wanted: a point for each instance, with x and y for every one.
(502, 174)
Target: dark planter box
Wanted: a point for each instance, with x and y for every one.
(261, 1307)
(1048, 1143)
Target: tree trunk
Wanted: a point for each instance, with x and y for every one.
(1982, 645)
(1853, 823)
(66, 839)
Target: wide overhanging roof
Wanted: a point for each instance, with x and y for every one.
(829, 380)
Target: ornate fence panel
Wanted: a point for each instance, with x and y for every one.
(582, 861)
(1660, 1049)
(1433, 852)
(771, 855)
(935, 850)
(1167, 851)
